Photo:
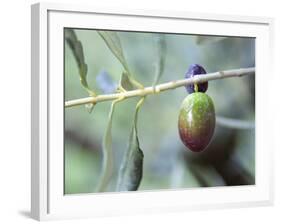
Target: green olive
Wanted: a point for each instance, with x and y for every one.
(197, 121)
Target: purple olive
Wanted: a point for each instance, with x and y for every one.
(197, 121)
(193, 70)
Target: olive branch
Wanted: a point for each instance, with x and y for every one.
(162, 87)
(130, 173)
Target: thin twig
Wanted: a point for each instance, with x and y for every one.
(162, 87)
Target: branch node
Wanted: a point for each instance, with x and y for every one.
(221, 74)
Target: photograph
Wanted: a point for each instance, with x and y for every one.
(150, 111)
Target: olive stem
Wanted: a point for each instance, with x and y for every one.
(196, 87)
(162, 87)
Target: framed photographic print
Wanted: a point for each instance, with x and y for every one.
(147, 111)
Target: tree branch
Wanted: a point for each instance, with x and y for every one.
(162, 87)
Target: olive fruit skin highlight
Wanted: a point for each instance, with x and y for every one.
(196, 123)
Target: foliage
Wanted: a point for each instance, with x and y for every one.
(130, 173)
(127, 173)
(78, 53)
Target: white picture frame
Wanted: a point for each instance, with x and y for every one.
(48, 201)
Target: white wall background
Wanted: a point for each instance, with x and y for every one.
(15, 111)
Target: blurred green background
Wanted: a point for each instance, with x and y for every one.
(230, 158)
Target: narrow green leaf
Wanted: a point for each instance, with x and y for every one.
(125, 82)
(130, 173)
(83, 74)
(107, 163)
(161, 56)
(113, 42)
(77, 50)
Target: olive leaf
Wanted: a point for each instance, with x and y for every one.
(107, 163)
(125, 82)
(161, 56)
(130, 173)
(113, 42)
(77, 50)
